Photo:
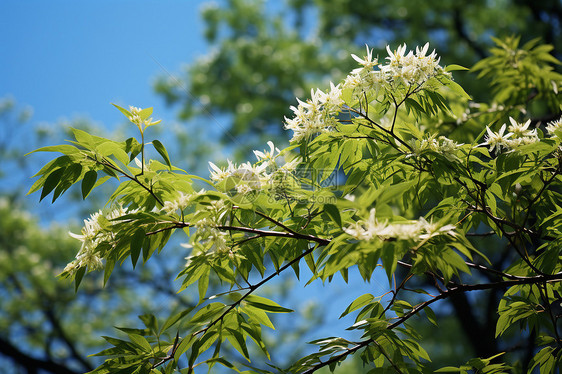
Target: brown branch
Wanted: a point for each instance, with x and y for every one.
(31, 364)
(132, 178)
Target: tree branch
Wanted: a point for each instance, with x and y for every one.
(31, 364)
(446, 294)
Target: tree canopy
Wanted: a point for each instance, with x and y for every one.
(447, 195)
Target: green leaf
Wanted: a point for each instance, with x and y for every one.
(88, 182)
(456, 88)
(51, 182)
(360, 302)
(202, 344)
(266, 304)
(67, 149)
(111, 148)
(183, 347)
(172, 320)
(430, 315)
(83, 138)
(334, 213)
(258, 315)
(238, 341)
(203, 283)
(125, 112)
(137, 241)
(145, 113)
(160, 148)
(449, 369)
(140, 341)
(206, 313)
(78, 277)
(150, 322)
(454, 67)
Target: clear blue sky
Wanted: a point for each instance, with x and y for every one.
(73, 58)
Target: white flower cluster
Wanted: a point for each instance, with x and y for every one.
(553, 126)
(208, 235)
(92, 235)
(443, 145)
(181, 201)
(253, 177)
(137, 119)
(318, 114)
(415, 230)
(408, 69)
(519, 134)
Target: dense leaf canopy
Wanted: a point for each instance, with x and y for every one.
(395, 167)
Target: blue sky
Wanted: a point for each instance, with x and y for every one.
(71, 59)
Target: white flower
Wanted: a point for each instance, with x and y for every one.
(135, 115)
(368, 230)
(520, 130)
(218, 174)
(496, 139)
(210, 235)
(368, 61)
(268, 155)
(447, 148)
(433, 229)
(318, 114)
(521, 134)
(405, 230)
(181, 202)
(396, 57)
(553, 126)
(91, 236)
(331, 100)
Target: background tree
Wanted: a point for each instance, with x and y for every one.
(266, 54)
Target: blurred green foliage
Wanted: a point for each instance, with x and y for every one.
(263, 54)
